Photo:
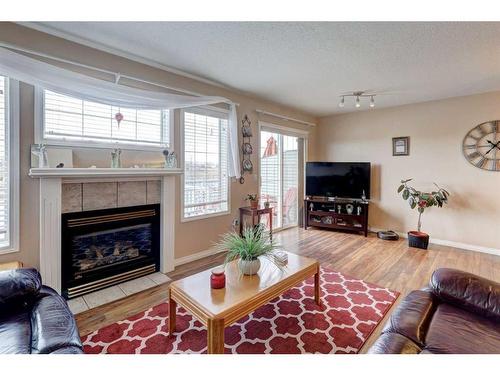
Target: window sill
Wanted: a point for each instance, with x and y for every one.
(105, 146)
(8, 251)
(202, 217)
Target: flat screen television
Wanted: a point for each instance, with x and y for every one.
(338, 179)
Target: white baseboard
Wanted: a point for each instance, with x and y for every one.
(458, 245)
(196, 256)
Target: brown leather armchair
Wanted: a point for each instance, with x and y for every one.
(458, 313)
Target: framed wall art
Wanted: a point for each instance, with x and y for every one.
(401, 146)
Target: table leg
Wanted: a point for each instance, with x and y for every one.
(317, 291)
(271, 225)
(241, 223)
(215, 328)
(172, 315)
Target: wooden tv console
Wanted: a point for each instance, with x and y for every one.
(333, 214)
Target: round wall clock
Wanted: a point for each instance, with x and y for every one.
(481, 146)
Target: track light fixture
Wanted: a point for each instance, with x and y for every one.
(357, 102)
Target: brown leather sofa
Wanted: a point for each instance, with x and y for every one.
(458, 313)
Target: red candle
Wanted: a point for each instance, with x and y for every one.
(218, 278)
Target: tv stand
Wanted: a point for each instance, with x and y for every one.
(336, 213)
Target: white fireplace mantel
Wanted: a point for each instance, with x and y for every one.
(51, 180)
(102, 172)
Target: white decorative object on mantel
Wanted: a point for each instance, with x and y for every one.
(51, 180)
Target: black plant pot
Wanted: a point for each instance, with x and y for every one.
(418, 239)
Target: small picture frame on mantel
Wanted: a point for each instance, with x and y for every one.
(401, 146)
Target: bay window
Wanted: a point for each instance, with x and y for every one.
(73, 121)
(9, 164)
(205, 181)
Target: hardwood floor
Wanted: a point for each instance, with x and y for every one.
(391, 264)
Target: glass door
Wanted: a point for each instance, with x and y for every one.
(279, 176)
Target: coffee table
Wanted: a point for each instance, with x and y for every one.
(219, 308)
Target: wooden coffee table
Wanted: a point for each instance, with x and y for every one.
(219, 308)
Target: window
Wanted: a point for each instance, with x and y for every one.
(9, 167)
(206, 183)
(69, 120)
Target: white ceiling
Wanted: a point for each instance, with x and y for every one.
(308, 65)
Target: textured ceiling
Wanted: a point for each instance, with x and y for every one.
(308, 65)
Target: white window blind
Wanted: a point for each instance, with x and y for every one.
(73, 120)
(206, 181)
(4, 166)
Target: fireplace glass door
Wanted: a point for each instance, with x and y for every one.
(105, 247)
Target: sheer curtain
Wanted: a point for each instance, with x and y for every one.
(50, 77)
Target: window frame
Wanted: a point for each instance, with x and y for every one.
(40, 138)
(12, 130)
(202, 110)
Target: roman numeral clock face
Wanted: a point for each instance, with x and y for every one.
(481, 146)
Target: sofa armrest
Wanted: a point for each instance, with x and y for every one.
(53, 326)
(18, 287)
(468, 291)
(394, 343)
(412, 316)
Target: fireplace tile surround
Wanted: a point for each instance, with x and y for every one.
(89, 196)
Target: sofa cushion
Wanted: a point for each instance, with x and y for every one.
(468, 291)
(457, 331)
(18, 288)
(15, 334)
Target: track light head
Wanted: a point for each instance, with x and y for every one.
(358, 104)
(341, 104)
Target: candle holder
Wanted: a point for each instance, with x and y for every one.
(218, 278)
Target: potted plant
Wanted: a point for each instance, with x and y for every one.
(253, 199)
(421, 200)
(254, 243)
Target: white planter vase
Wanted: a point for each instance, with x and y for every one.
(249, 267)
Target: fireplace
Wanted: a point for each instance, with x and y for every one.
(105, 247)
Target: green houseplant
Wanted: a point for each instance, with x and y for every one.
(253, 199)
(254, 243)
(421, 200)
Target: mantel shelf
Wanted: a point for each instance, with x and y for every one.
(102, 172)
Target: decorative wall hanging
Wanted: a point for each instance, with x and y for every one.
(246, 132)
(401, 146)
(247, 165)
(247, 148)
(118, 118)
(481, 146)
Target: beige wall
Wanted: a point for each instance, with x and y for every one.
(191, 237)
(436, 130)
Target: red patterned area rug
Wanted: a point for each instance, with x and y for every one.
(291, 324)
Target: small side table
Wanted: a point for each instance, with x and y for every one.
(257, 213)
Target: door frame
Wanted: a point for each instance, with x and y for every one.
(284, 130)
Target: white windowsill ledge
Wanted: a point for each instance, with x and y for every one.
(102, 172)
